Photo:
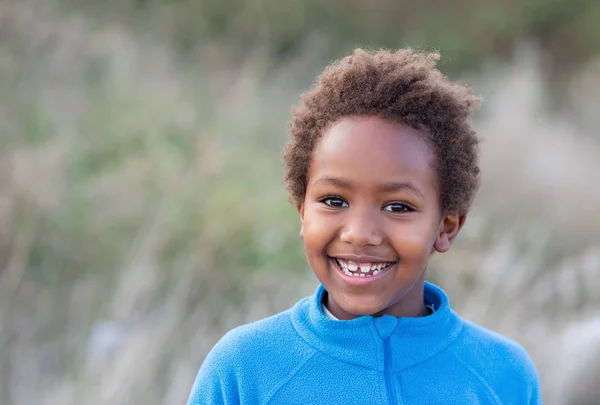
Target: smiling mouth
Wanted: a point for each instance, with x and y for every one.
(357, 269)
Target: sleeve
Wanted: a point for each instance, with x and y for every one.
(536, 395)
(216, 381)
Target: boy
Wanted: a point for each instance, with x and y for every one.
(382, 165)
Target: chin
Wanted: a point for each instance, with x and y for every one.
(361, 309)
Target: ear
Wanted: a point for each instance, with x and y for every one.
(449, 227)
(300, 208)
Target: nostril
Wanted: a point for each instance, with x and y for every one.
(362, 238)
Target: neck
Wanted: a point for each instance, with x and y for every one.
(410, 305)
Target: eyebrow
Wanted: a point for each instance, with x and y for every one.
(388, 187)
(393, 186)
(333, 181)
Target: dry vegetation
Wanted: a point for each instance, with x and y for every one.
(142, 214)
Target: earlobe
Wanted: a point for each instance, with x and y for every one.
(442, 243)
(449, 228)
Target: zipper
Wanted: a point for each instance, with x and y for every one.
(388, 375)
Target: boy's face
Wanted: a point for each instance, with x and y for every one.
(371, 217)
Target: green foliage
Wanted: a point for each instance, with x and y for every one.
(466, 32)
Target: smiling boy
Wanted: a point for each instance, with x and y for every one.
(382, 165)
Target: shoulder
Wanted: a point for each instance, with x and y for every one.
(499, 362)
(491, 348)
(257, 341)
(248, 361)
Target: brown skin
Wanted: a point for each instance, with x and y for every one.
(354, 214)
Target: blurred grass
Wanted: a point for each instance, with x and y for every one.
(142, 211)
(119, 189)
(469, 33)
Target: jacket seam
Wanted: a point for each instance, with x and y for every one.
(288, 377)
(479, 378)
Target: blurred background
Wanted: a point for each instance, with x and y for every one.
(142, 210)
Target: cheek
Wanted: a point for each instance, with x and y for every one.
(318, 230)
(414, 241)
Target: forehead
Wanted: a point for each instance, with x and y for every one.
(373, 150)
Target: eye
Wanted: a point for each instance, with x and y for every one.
(335, 202)
(398, 207)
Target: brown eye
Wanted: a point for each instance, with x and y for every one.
(335, 202)
(398, 207)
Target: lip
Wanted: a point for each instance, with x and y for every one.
(362, 259)
(360, 281)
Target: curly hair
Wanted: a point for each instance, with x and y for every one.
(403, 86)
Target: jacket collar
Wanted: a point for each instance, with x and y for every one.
(362, 341)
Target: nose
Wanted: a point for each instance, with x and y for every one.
(361, 229)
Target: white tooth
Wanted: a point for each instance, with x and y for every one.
(362, 275)
(374, 266)
(356, 275)
(365, 268)
(352, 266)
(380, 266)
(346, 272)
(344, 265)
(376, 272)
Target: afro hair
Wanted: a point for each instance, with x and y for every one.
(402, 86)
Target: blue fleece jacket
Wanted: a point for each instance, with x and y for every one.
(302, 357)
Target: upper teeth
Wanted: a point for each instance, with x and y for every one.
(364, 267)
